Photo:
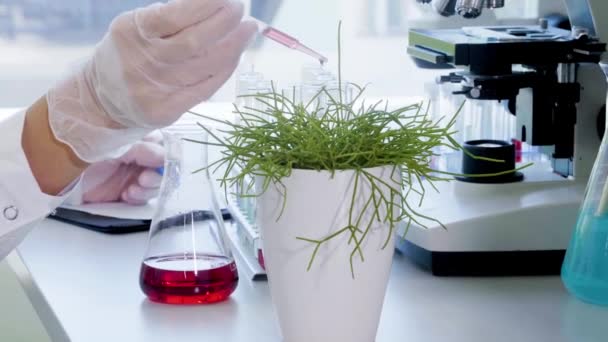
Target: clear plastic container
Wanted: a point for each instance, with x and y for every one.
(188, 260)
(585, 268)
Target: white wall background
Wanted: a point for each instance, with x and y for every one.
(375, 40)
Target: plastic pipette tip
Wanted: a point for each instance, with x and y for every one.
(312, 53)
(287, 40)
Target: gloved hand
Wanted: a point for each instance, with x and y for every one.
(132, 178)
(153, 65)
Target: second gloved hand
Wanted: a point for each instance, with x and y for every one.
(154, 64)
(132, 178)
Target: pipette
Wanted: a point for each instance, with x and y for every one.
(286, 40)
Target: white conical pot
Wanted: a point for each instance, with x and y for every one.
(325, 304)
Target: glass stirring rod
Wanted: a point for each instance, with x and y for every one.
(287, 40)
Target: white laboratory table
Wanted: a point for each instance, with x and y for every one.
(85, 287)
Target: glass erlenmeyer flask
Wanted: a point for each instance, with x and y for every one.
(188, 260)
(585, 268)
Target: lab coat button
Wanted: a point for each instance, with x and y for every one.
(11, 213)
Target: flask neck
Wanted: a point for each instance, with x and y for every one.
(186, 150)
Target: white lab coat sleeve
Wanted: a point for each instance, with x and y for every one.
(22, 203)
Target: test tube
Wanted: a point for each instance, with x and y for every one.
(315, 73)
(246, 85)
(314, 80)
(261, 88)
(339, 92)
(293, 92)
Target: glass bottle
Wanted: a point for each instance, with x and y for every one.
(188, 260)
(585, 268)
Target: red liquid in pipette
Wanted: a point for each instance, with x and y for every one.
(291, 42)
(173, 279)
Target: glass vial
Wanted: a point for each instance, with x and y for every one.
(246, 86)
(188, 260)
(314, 80)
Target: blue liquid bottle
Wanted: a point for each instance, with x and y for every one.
(585, 268)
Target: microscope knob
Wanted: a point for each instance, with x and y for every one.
(475, 93)
(451, 78)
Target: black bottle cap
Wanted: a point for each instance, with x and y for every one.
(494, 149)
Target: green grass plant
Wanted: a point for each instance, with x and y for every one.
(334, 135)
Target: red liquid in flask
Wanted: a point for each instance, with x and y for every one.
(188, 279)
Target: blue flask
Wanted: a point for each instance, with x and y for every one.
(585, 268)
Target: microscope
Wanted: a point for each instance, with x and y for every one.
(553, 81)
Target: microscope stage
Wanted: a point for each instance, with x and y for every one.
(501, 47)
(496, 229)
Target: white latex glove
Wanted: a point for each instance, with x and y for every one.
(153, 65)
(132, 178)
